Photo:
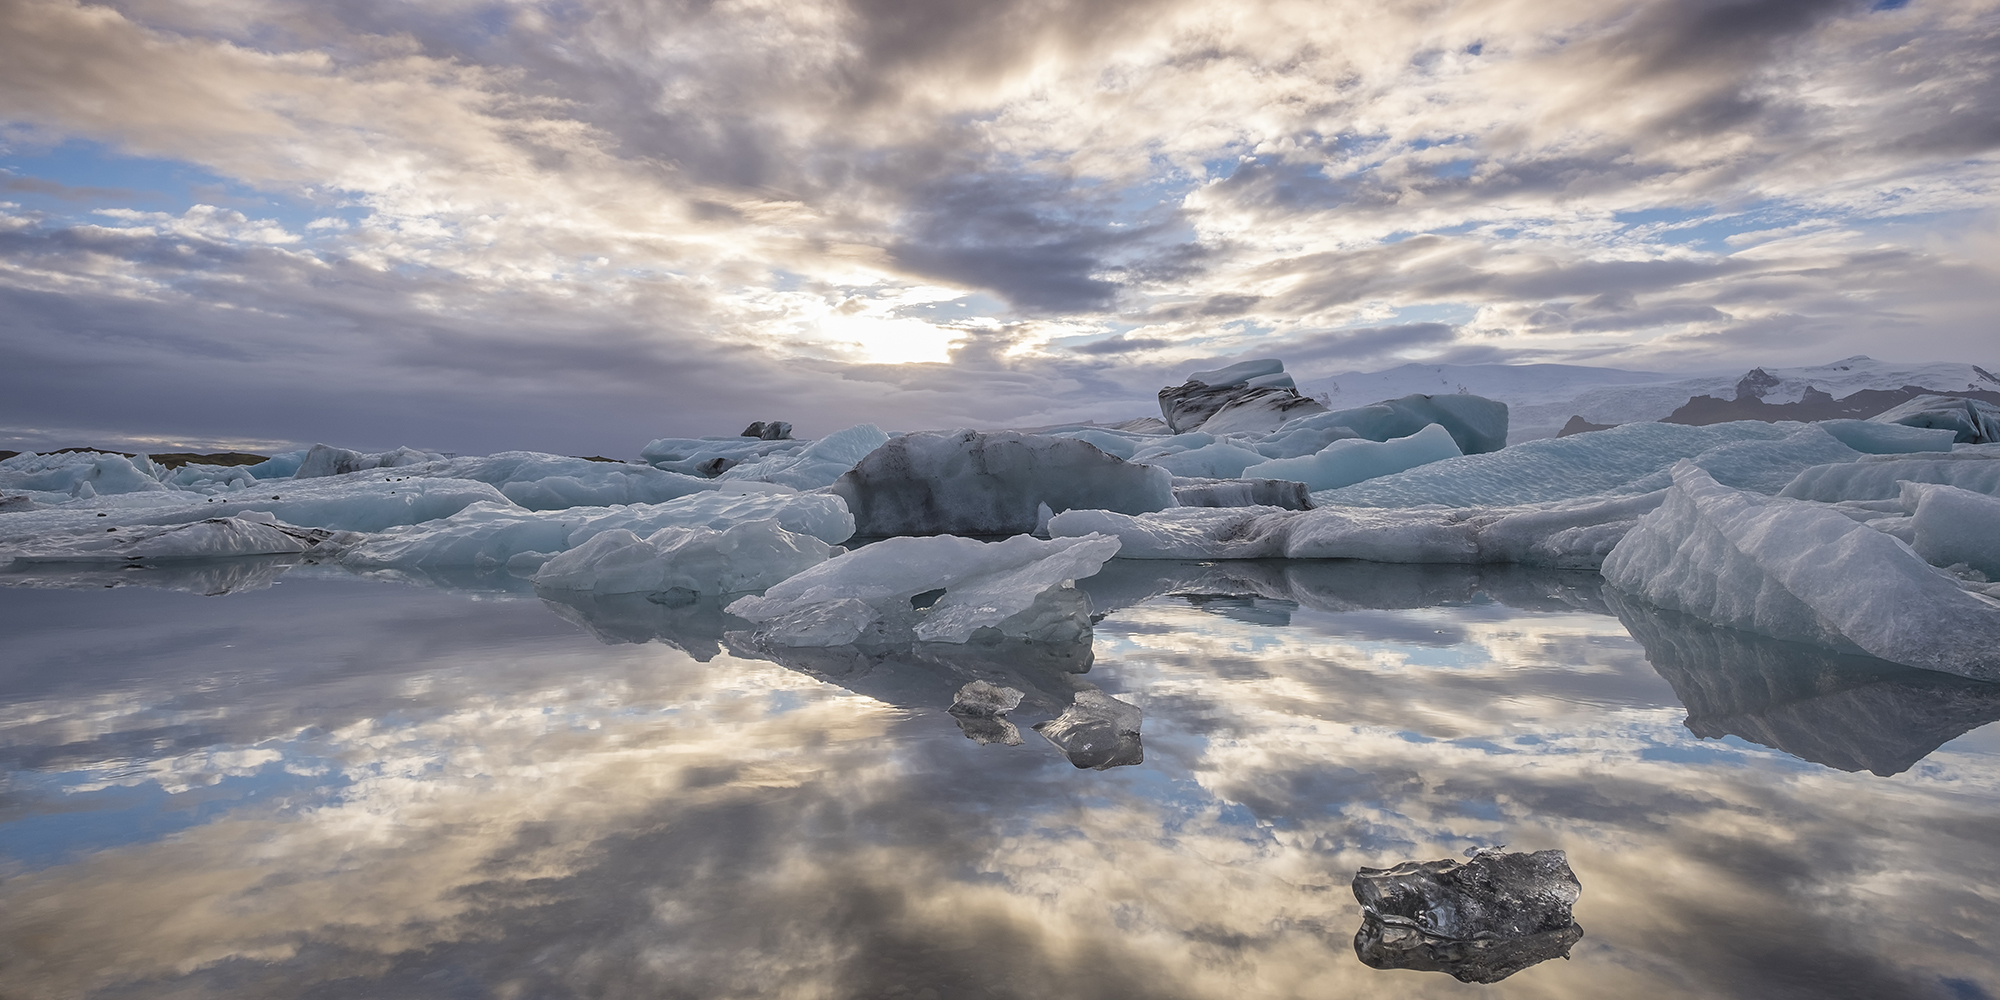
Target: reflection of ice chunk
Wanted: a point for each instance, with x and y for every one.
(490, 534)
(973, 483)
(247, 535)
(1480, 921)
(323, 460)
(1847, 712)
(1618, 460)
(1014, 587)
(1879, 479)
(1802, 571)
(1344, 463)
(1097, 731)
(750, 555)
(818, 464)
(208, 577)
(1971, 421)
(1573, 534)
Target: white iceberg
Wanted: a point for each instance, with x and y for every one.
(1875, 478)
(712, 456)
(488, 535)
(1619, 460)
(1017, 587)
(250, 534)
(1344, 463)
(61, 476)
(817, 464)
(1803, 571)
(973, 483)
(1971, 421)
(1952, 527)
(1210, 459)
(750, 555)
(1573, 534)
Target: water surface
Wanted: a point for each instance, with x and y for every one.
(315, 785)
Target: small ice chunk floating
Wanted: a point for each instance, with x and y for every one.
(1097, 732)
(1479, 921)
(981, 708)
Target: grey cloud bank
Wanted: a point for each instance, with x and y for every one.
(576, 226)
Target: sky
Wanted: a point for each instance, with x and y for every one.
(577, 225)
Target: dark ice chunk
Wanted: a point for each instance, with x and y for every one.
(980, 699)
(1096, 731)
(1480, 921)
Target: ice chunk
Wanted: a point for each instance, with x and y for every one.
(1478, 425)
(1109, 442)
(1802, 571)
(1250, 396)
(539, 481)
(712, 456)
(1852, 713)
(769, 430)
(1971, 421)
(1096, 731)
(1879, 479)
(1480, 921)
(1344, 463)
(1303, 436)
(818, 464)
(1214, 460)
(1241, 493)
(1571, 534)
(1954, 527)
(323, 460)
(1617, 460)
(247, 535)
(973, 483)
(491, 534)
(1004, 586)
(62, 475)
(983, 699)
(1871, 438)
(749, 555)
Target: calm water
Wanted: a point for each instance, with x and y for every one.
(336, 787)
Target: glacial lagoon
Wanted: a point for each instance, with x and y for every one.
(255, 779)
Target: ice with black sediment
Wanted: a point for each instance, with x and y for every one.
(977, 483)
(1479, 921)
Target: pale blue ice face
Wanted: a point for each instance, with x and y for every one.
(340, 787)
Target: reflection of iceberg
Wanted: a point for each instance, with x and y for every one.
(1846, 712)
(691, 623)
(1480, 921)
(1338, 585)
(210, 577)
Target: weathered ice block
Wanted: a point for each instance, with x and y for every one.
(1096, 731)
(978, 483)
(1479, 922)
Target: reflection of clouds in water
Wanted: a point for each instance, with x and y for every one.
(556, 818)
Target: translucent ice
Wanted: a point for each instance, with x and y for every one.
(1001, 585)
(1570, 534)
(1803, 571)
(1097, 731)
(749, 555)
(974, 483)
(981, 698)
(1480, 921)
(1344, 463)
(1477, 424)
(493, 534)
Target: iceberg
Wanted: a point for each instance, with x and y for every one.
(322, 460)
(1953, 527)
(973, 483)
(1480, 921)
(746, 556)
(248, 534)
(489, 535)
(1573, 534)
(1097, 731)
(1871, 438)
(816, 465)
(62, 476)
(1018, 588)
(1971, 421)
(1250, 396)
(1806, 572)
(712, 456)
(1344, 463)
(1619, 460)
(1873, 478)
(1241, 493)
(1212, 460)
(1477, 425)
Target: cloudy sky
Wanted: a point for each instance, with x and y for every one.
(574, 225)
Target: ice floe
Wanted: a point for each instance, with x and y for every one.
(974, 483)
(1017, 587)
(1803, 571)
